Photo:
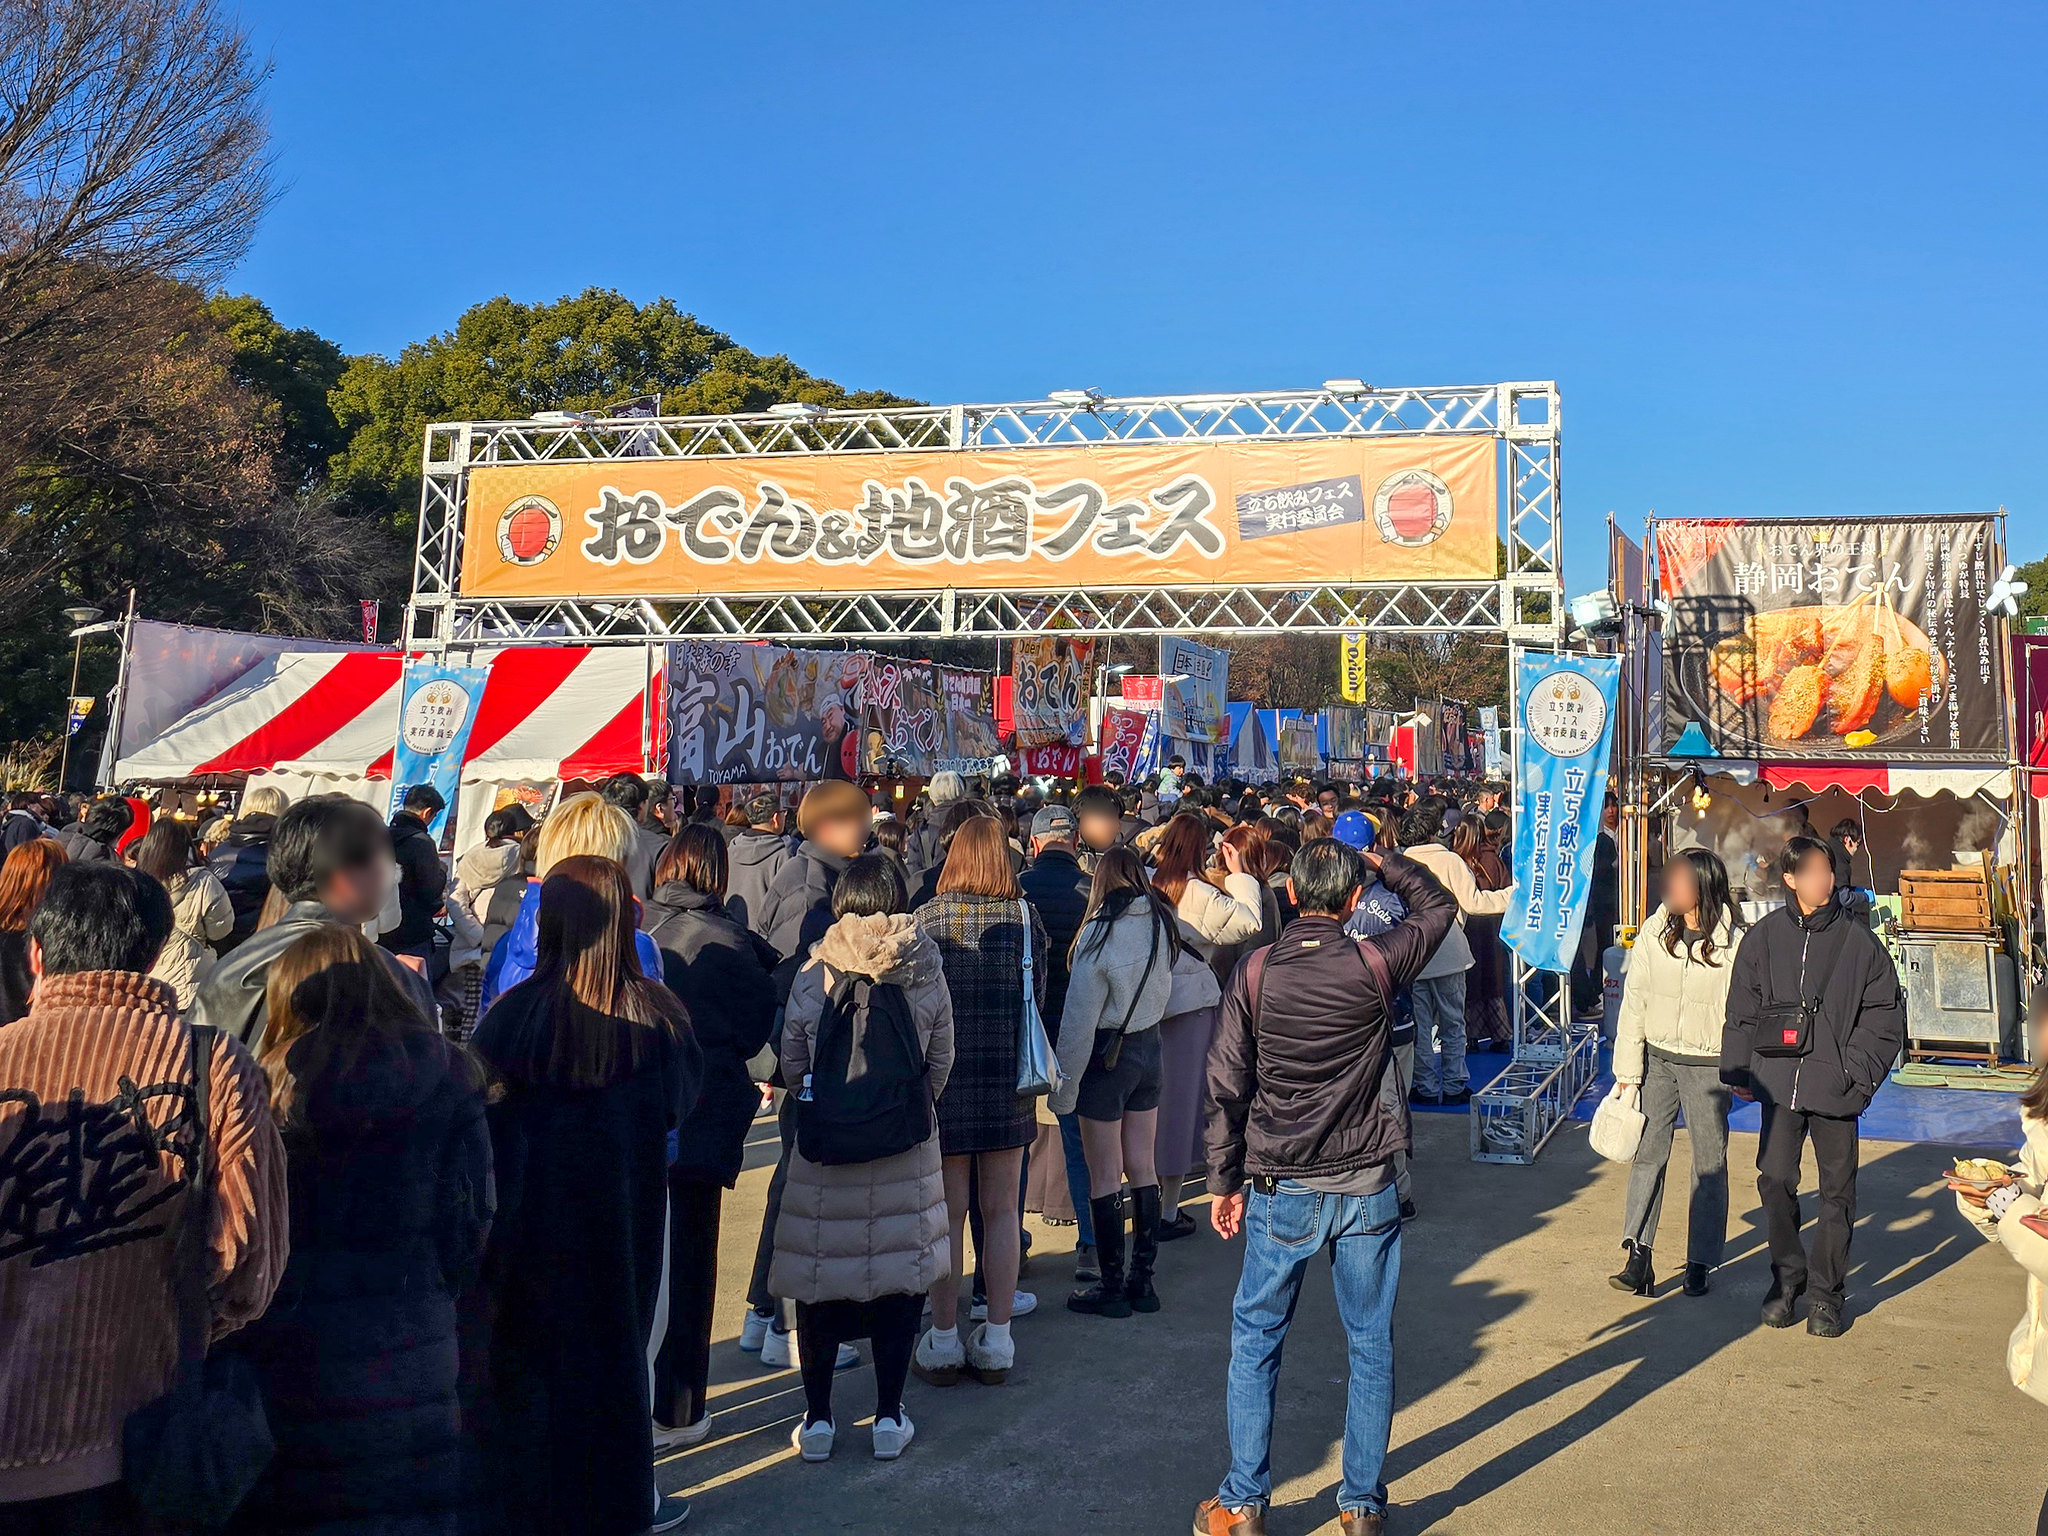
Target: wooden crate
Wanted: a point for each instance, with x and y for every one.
(1945, 900)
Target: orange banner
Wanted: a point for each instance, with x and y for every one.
(1343, 510)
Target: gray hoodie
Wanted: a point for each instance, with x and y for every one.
(753, 859)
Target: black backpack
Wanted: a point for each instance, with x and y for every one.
(868, 1098)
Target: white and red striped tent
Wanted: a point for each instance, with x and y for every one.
(318, 721)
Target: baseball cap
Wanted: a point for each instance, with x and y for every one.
(1354, 829)
(1053, 821)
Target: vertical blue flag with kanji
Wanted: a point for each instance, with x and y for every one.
(1564, 718)
(438, 706)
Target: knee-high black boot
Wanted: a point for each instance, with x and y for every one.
(1106, 1297)
(1144, 1248)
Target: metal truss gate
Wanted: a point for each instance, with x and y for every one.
(1553, 1062)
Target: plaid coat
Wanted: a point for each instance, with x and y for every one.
(981, 943)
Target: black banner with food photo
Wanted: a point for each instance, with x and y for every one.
(1852, 640)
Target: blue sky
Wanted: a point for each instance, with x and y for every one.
(1780, 259)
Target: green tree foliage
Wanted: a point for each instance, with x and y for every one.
(2035, 574)
(506, 360)
(296, 371)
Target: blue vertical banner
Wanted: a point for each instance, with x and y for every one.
(1564, 713)
(437, 707)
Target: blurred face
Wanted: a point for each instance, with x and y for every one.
(2037, 1026)
(1326, 802)
(1099, 830)
(357, 895)
(845, 836)
(1681, 887)
(1813, 882)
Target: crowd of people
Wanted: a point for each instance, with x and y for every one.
(457, 1127)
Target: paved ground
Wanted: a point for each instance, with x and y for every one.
(1533, 1397)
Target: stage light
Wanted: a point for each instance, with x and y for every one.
(1078, 399)
(1347, 386)
(797, 410)
(1596, 613)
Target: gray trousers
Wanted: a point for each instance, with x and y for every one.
(1670, 1082)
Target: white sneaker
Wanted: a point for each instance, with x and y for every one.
(988, 1363)
(813, 1440)
(667, 1439)
(1022, 1304)
(754, 1331)
(936, 1366)
(781, 1352)
(892, 1436)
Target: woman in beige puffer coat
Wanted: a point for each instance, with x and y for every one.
(858, 1244)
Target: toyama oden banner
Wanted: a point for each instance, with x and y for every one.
(1105, 515)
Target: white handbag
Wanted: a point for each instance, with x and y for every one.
(1618, 1124)
(1038, 1066)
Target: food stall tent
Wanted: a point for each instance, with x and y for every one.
(324, 722)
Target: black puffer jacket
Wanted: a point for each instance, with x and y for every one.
(422, 884)
(798, 908)
(722, 974)
(1829, 957)
(1056, 886)
(242, 864)
(1294, 1075)
(391, 1194)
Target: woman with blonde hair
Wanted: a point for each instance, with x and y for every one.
(389, 1162)
(981, 924)
(583, 826)
(241, 859)
(202, 915)
(598, 1068)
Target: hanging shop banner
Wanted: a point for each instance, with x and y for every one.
(1123, 739)
(1451, 736)
(902, 718)
(759, 714)
(1195, 683)
(1052, 687)
(1108, 514)
(1832, 640)
(1489, 730)
(81, 706)
(1563, 707)
(1379, 727)
(1298, 754)
(1057, 761)
(972, 744)
(436, 709)
(1346, 734)
(1352, 679)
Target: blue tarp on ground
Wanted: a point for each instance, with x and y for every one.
(1958, 1117)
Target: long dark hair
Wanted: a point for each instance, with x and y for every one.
(328, 997)
(1120, 884)
(1711, 876)
(588, 964)
(1181, 855)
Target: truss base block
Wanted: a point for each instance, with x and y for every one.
(1513, 1116)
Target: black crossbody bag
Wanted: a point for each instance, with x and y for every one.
(194, 1453)
(1786, 1029)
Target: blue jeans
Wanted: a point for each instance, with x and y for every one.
(1077, 1180)
(1282, 1232)
(1440, 1034)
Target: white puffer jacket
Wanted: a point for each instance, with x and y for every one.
(1674, 1002)
(2024, 1354)
(1210, 918)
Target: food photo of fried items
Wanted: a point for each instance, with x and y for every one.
(1857, 670)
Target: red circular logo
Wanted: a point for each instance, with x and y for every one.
(529, 530)
(1412, 508)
